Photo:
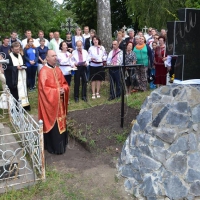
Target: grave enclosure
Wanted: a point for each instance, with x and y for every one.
(21, 151)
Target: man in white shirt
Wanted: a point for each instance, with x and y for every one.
(148, 35)
(80, 59)
(115, 57)
(55, 42)
(28, 35)
(41, 36)
(86, 32)
(151, 39)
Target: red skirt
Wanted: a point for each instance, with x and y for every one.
(161, 73)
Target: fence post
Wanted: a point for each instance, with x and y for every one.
(42, 148)
(7, 92)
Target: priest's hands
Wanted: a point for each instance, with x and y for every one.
(62, 91)
(19, 67)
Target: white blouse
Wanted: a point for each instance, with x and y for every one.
(97, 53)
(65, 59)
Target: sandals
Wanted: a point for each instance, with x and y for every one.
(93, 96)
(98, 95)
(133, 90)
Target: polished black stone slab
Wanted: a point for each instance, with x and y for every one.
(183, 39)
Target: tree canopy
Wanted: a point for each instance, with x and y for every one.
(48, 15)
(31, 15)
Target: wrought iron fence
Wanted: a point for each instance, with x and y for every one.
(21, 152)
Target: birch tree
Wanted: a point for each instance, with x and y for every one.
(104, 23)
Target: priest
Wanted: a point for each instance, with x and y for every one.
(15, 75)
(53, 92)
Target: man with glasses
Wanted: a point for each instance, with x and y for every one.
(151, 38)
(148, 35)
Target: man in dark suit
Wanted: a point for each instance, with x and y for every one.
(88, 44)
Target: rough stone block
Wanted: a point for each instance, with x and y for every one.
(192, 175)
(148, 187)
(194, 160)
(146, 150)
(166, 99)
(175, 92)
(195, 188)
(144, 118)
(165, 90)
(196, 114)
(174, 118)
(180, 145)
(136, 127)
(135, 164)
(144, 139)
(181, 107)
(157, 108)
(195, 127)
(159, 154)
(148, 162)
(192, 142)
(158, 143)
(177, 164)
(165, 134)
(128, 184)
(174, 188)
(155, 97)
(160, 116)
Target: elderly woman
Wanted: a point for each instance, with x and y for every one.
(159, 58)
(130, 59)
(97, 55)
(144, 57)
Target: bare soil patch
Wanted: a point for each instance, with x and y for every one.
(95, 143)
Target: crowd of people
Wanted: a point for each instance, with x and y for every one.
(83, 56)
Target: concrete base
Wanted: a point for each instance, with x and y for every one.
(19, 173)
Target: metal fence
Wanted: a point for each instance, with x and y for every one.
(22, 151)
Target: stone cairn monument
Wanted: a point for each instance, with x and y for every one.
(161, 156)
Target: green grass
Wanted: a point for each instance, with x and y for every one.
(121, 138)
(56, 186)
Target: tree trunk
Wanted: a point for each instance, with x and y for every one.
(104, 23)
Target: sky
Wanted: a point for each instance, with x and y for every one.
(60, 1)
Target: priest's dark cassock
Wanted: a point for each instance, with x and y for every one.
(16, 79)
(52, 108)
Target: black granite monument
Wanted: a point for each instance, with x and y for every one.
(183, 40)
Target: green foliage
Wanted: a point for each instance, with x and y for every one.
(33, 15)
(86, 11)
(154, 13)
(192, 3)
(119, 15)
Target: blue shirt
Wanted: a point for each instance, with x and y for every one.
(31, 54)
(42, 53)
